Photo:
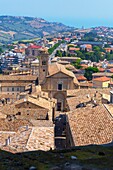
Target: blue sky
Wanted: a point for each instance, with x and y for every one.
(71, 12)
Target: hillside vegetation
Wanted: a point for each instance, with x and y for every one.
(14, 28)
(87, 158)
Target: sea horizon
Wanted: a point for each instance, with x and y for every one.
(73, 21)
(83, 22)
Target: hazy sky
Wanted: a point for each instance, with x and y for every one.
(70, 12)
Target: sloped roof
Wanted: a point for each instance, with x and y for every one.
(102, 79)
(56, 68)
(6, 125)
(35, 47)
(41, 102)
(81, 77)
(91, 125)
(16, 78)
(26, 113)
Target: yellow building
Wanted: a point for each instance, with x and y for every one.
(101, 82)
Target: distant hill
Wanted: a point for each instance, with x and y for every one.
(14, 28)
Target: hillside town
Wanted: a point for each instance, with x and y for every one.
(57, 92)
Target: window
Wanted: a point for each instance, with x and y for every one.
(60, 86)
(33, 52)
(27, 52)
(8, 89)
(43, 62)
(43, 70)
(59, 106)
(12, 88)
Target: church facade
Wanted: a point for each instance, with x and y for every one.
(56, 80)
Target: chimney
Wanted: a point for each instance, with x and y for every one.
(27, 128)
(7, 141)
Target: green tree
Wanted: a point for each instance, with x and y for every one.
(89, 71)
(1, 51)
(80, 55)
(58, 53)
(77, 64)
(53, 48)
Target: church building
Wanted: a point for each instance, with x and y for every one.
(56, 80)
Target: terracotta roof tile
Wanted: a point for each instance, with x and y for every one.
(91, 126)
(16, 78)
(81, 77)
(35, 46)
(102, 79)
(56, 68)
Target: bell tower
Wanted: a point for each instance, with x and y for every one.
(43, 65)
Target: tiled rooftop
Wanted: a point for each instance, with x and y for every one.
(83, 92)
(39, 136)
(16, 78)
(91, 125)
(12, 125)
(102, 79)
(56, 68)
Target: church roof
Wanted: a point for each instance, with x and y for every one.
(57, 68)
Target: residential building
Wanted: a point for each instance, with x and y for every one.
(32, 51)
(101, 82)
(27, 124)
(13, 86)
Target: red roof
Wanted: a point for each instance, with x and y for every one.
(19, 50)
(101, 69)
(34, 46)
(67, 38)
(102, 79)
(81, 78)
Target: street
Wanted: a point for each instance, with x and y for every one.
(60, 131)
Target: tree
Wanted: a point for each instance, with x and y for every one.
(1, 51)
(89, 71)
(58, 53)
(77, 64)
(64, 54)
(106, 46)
(80, 55)
(53, 48)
